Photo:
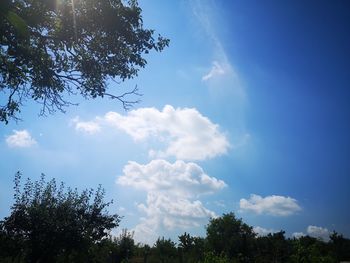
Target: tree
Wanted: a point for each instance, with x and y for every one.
(49, 222)
(273, 248)
(50, 49)
(309, 249)
(340, 246)
(125, 245)
(230, 237)
(165, 250)
(191, 249)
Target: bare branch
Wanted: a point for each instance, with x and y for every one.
(127, 104)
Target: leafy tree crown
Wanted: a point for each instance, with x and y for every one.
(49, 49)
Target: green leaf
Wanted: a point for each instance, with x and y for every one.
(18, 23)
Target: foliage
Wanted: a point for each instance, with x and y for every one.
(229, 236)
(166, 250)
(273, 248)
(210, 257)
(49, 49)
(310, 249)
(125, 246)
(340, 247)
(191, 248)
(49, 222)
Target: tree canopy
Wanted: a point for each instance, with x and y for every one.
(231, 236)
(50, 222)
(50, 49)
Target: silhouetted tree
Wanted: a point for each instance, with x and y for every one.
(273, 248)
(50, 222)
(229, 236)
(125, 246)
(165, 250)
(340, 246)
(185, 246)
(191, 249)
(308, 249)
(50, 48)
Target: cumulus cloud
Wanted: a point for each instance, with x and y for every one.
(216, 70)
(20, 139)
(318, 232)
(273, 205)
(298, 235)
(181, 178)
(173, 191)
(89, 127)
(187, 134)
(260, 231)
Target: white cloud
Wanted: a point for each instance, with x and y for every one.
(216, 70)
(260, 231)
(273, 205)
(298, 235)
(188, 135)
(20, 139)
(183, 179)
(206, 14)
(318, 232)
(89, 127)
(172, 191)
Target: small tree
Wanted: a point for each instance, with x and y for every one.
(185, 246)
(273, 248)
(191, 248)
(125, 246)
(50, 222)
(230, 237)
(165, 250)
(340, 246)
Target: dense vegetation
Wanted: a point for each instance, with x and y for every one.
(50, 223)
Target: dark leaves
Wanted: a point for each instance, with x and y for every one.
(50, 49)
(48, 220)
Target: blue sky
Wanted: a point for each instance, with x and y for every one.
(246, 111)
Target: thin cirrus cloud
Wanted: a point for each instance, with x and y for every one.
(272, 205)
(173, 191)
(20, 139)
(221, 69)
(187, 134)
(216, 70)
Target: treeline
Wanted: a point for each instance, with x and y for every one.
(234, 242)
(52, 223)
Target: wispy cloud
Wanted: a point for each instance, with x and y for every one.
(221, 68)
(216, 70)
(187, 134)
(173, 191)
(273, 205)
(20, 139)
